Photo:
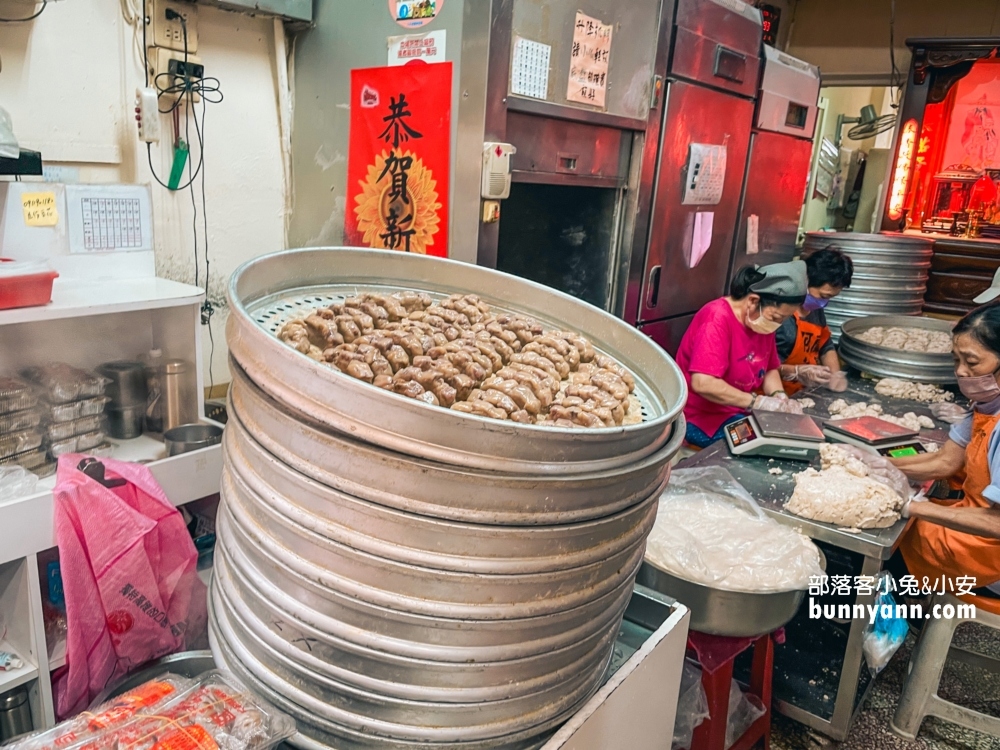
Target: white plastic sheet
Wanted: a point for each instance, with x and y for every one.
(710, 531)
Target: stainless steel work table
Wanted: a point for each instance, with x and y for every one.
(820, 675)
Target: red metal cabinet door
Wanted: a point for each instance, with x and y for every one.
(694, 115)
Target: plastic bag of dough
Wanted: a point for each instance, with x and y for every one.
(883, 637)
(692, 706)
(709, 530)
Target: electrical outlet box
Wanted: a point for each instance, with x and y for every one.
(169, 33)
(167, 69)
(147, 114)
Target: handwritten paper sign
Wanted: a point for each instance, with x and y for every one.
(40, 209)
(588, 65)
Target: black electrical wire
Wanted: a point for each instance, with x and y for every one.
(895, 77)
(26, 18)
(208, 89)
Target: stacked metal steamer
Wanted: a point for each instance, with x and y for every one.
(890, 274)
(398, 575)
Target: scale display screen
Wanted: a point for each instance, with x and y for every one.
(900, 451)
(741, 432)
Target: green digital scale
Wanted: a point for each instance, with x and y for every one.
(875, 436)
(774, 434)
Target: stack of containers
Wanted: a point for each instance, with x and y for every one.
(398, 575)
(127, 389)
(21, 434)
(890, 274)
(71, 403)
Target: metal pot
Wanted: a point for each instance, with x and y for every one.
(923, 367)
(721, 612)
(126, 423)
(191, 437)
(128, 384)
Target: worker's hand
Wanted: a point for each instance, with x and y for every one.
(838, 382)
(949, 412)
(812, 376)
(882, 470)
(777, 403)
(907, 510)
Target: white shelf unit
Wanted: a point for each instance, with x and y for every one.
(89, 322)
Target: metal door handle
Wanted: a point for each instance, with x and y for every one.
(653, 293)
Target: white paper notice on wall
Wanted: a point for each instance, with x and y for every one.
(706, 175)
(429, 47)
(700, 238)
(529, 70)
(753, 225)
(588, 63)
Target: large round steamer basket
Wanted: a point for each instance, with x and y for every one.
(268, 291)
(399, 575)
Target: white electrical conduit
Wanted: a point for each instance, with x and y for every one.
(281, 63)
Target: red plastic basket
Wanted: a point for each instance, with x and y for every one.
(28, 289)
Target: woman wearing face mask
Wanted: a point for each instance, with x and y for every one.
(805, 348)
(728, 354)
(963, 538)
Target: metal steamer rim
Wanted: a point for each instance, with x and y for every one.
(273, 311)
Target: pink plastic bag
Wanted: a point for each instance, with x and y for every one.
(129, 572)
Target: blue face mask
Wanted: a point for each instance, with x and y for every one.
(814, 303)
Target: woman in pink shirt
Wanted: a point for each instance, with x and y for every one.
(728, 354)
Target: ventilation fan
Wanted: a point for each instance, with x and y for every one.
(868, 124)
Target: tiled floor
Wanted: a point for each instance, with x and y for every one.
(962, 684)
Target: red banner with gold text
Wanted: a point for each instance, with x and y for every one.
(400, 155)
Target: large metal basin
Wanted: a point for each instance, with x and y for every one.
(720, 612)
(270, 289)
(922, 367)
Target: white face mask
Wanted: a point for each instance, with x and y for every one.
(762, 325)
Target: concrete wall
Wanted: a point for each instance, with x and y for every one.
(68, 80)
(348, 34)
(849, 39)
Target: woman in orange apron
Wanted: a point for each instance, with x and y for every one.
(962, 538)
(808, 355)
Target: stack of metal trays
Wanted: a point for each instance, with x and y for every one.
(398, 575)
(890, 274)
(924, 367)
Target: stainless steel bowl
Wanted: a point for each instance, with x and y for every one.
(191, 437)
(719, 612)
(938, 369)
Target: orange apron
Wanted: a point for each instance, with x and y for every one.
(809, 341)
(932, 551)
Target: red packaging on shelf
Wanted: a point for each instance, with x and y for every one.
(25, 283)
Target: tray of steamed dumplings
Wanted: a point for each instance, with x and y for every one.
(457, 353)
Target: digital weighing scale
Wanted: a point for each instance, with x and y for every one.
(775, 435)
(875, 436)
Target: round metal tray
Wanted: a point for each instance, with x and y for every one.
(267, 291)
(923, 367)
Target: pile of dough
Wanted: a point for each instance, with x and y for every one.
(708, 530)
(908, 339)
(923, 392)
(843, 494)
(840, 409)
(806, 403)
